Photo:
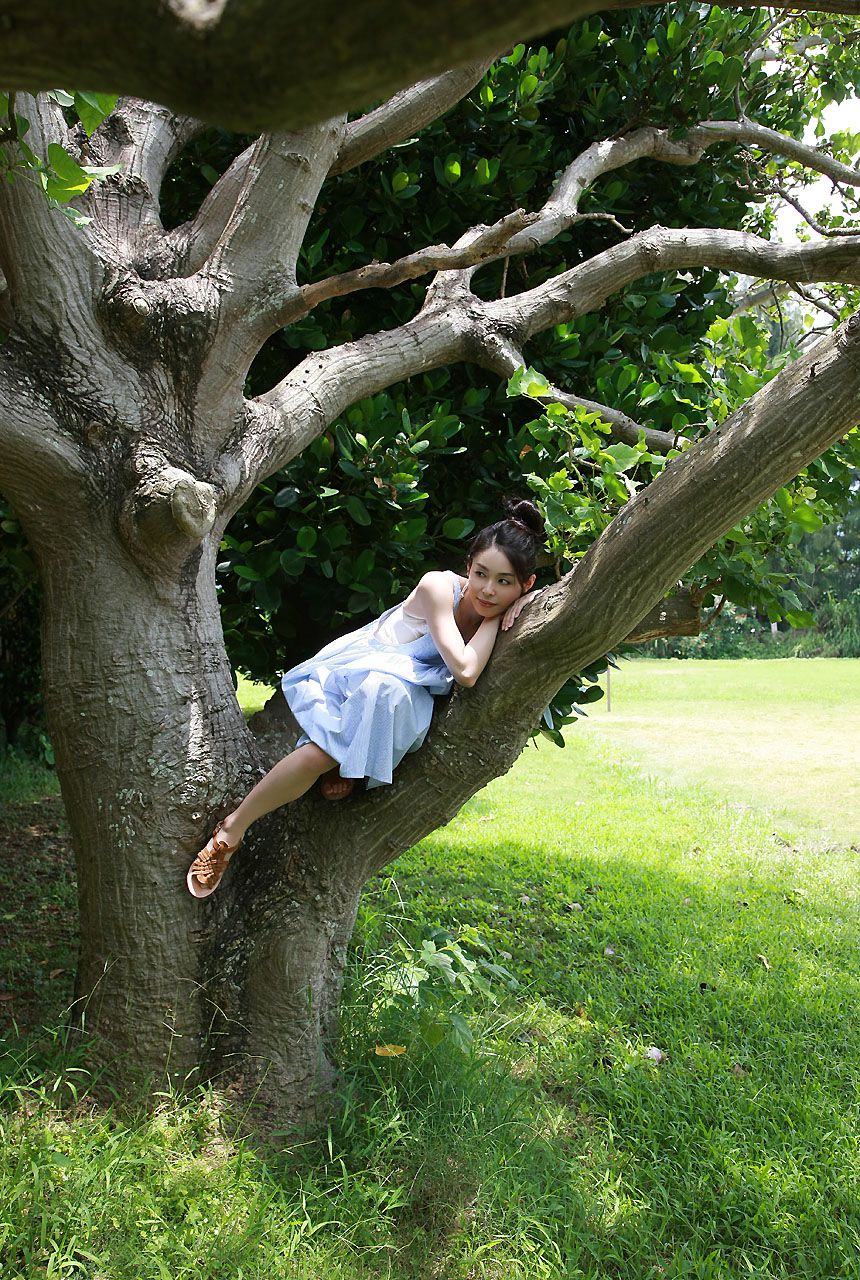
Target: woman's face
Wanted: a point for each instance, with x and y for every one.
(493, 586)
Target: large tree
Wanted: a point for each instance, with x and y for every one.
(128, 443)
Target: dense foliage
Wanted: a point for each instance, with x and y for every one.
(402, 479)
(405, 476)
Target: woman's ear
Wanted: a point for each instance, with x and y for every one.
(529, 583)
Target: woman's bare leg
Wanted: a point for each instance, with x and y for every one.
(289, 779)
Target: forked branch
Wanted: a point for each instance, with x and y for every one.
(455, 325)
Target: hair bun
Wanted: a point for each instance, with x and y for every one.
(525, 513)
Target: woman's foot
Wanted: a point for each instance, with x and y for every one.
(207, 869)
(334, 787)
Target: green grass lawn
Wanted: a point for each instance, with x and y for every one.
(783, 734)
(671, 1090)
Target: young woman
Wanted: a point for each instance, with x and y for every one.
(366, 699)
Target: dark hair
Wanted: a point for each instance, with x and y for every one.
(518, 535)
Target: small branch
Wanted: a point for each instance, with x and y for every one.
(485, 243)
(771, 293)
(810, 221)
(715, 613)
(504, 358)
(603, 217)
(9, 605)
(816, 302)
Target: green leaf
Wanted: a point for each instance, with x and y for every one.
(807, 518)
(292, 562)
(69, 179)
(357, 510)
(93, 108)
(623, 456)
(528, 382)
(452, 169)
(306, 537)
(456, 528)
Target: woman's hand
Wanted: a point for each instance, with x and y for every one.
(516, 609)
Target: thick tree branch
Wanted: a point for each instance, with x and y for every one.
(405, 114)
(678, 615)
(143, 140)
(318, 57)
(257, 252)
(455, 325)
(52, 271)
(749, 133)
(252, 267)
(587, 287)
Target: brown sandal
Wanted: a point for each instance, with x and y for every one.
(205, 872)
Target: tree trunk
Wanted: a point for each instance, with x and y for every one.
(149, 743)
(151, 748)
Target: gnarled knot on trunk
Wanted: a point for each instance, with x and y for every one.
(169, 510)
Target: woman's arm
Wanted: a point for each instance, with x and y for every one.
(434, 602)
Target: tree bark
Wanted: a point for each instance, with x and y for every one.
(268, 65)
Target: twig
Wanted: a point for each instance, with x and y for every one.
(608, 217)
(816, 302)
(10, 604)
(715, 613)
(808, 218)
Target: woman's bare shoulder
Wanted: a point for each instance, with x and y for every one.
(437, 579)
(433, 587)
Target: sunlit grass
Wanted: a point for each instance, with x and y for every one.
(783, 734)
(638, 915)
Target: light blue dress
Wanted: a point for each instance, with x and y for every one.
(367, 698)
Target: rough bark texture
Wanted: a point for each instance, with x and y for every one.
(126, 445)
(269, 65)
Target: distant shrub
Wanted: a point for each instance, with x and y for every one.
(737, 634)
